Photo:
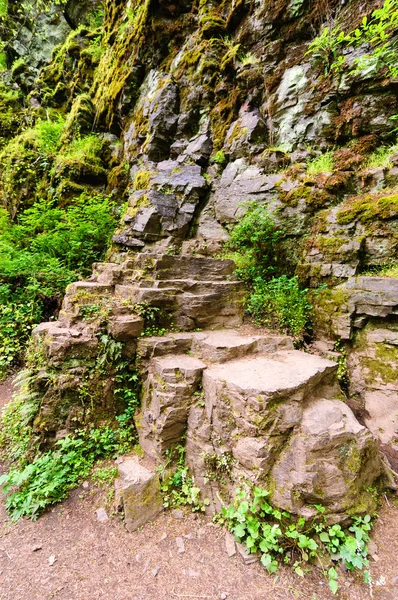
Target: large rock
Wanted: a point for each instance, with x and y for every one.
(140, 492)
(331, 460)
(166, 207)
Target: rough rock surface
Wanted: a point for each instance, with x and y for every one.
(140, 493)
(267, 413)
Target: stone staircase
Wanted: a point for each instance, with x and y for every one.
(250, 407)
(247, 407)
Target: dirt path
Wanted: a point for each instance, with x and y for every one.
(101, 561)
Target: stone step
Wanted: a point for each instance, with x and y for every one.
(222, 346)
(217, 346)
(166, 267)
(272, 376)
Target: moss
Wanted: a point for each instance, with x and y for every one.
(368, 208)
(80, 161)
(11, 113)
(142, 180)
(136, 205)
(383, 366)
(22, 166)
(79, 120)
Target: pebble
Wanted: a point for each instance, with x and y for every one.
(102, 516)
(164, 536)
(191, 573)
(230, 544)
(180, 545)
(177, 514)
(37, 547)
(155, 571)
(224, 596)
(52, 559)
(85, 484)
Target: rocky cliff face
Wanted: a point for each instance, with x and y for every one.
(201, 109)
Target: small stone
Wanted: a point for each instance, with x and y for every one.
(138, 557)
(224, 596)
(230, 544)
(180, 545)
(191, 573)
(36, 547)
(248, 558)
(146, 566)
(177, 514)
(52, 559)
(373, 549)
(85, 484)
(164, 536)
(102, 516)
(155, 571)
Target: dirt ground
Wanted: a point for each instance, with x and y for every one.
(68, 555)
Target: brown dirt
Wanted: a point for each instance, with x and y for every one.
(101, 561)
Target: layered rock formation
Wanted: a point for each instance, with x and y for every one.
(202, 109)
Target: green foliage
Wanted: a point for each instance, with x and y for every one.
(377, 32)
(219, 158)
(104, 475)
(177, 486)
(256, 238)
(16, 421)
(49, 477)
(49, 134)
(381, 158)
(274, 535)
(45, 250)
(45, 478)
(321, 164)
(280, 304)
(275, 301)
(152, 316)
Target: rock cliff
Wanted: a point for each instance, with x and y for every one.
(195, 111)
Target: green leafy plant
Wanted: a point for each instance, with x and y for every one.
(49, 477)
(377, 32)
(280, 304)
(256, 238)
(46, 249)
(177, 486)
(276, 537)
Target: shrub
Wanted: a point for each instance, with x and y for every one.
(280, 304)
(256, 238)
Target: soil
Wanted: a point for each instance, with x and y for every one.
(69, 555)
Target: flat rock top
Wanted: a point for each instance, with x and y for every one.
(180, 361)
(227, 338)
(284, 370)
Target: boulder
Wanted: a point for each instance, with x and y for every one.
(140, 492)
(331, 460)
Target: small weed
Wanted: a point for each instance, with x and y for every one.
(381, 158)
(178, 488)
(322, 164)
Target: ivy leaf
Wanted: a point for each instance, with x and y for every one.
(334, 586)
(299, 571)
